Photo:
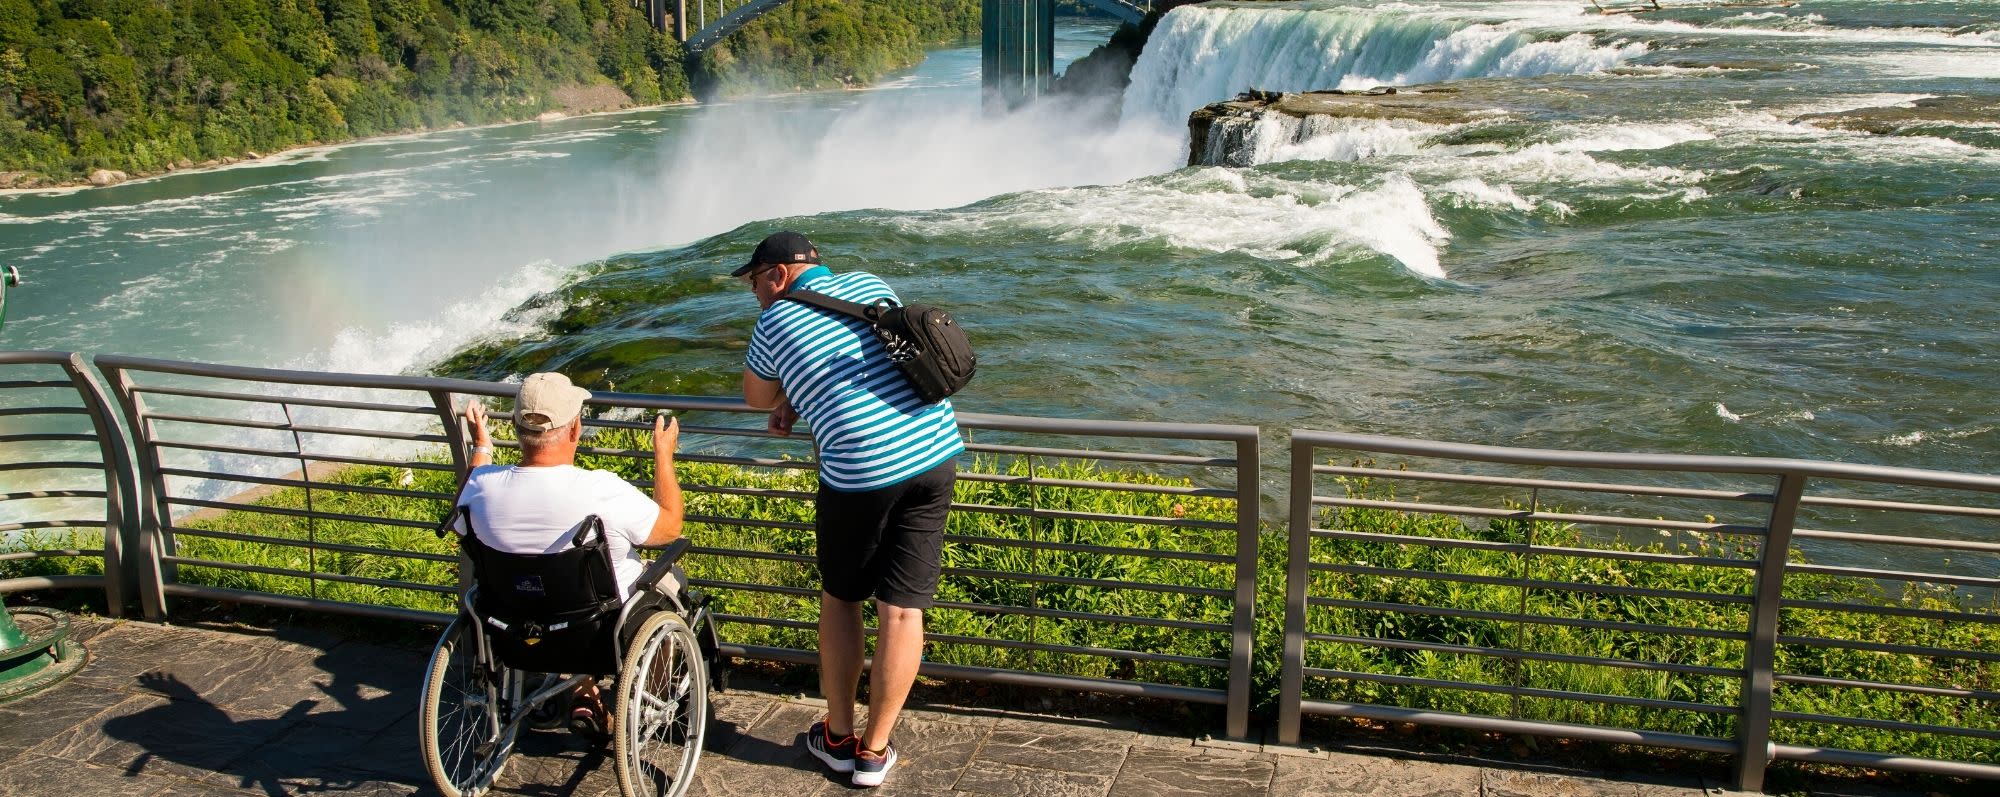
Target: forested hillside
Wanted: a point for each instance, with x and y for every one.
(142, 85)
(813, 44)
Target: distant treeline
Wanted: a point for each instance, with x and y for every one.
(144, 86)
(815, 44)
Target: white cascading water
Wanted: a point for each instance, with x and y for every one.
(1202, 54)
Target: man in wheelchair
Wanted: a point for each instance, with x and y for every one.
(561, 596)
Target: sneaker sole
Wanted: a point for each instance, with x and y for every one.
(872, 779)
(835, 764)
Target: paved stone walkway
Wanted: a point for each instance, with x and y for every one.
(167, 711)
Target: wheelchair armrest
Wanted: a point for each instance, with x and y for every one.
(670, 552)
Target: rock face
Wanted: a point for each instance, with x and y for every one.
(104, 177)
(1897, 119)
(1220, 134)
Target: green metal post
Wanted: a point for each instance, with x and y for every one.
(1016, 51)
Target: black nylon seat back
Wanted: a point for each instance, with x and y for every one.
(554, 612)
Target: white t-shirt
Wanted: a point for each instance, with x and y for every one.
(538, 510)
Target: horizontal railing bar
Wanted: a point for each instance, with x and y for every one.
(1886, 725)
(1067, 426)
(281, 426)
(48, 437)
(1155, 489)
(303, 513)
(1090, 617)
(723, 520)
(1075, 650)
(35, 383)
(718, 489)
(33, 494)
(311, 544)
(1062, 514)
(296, 401)
(1893, 575)
(217, 448)
(1145, 586)
(1526, 655)
(1508, 581)
(1900, 506)
(1891, 539)
(302, 485)
(1477, 722)
(1893, 611)
(1520, 691)
(686, 429)
(298, 603)
(744, 586)
(51, 465)
(1537, 619)
(1150, 553)
(54, 524)
(741, 553)
(1537, 550)
(964, 672)
(28, 583)
(53, 553)
(1935, 691)
(1885, 647)
(1530, 515)
(1545, 484)
(1110, 456)
(308, 575)
(1856, 758)
(15, 412)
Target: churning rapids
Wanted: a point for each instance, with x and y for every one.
(1648, 251)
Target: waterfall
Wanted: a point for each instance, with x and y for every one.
(1202, 54)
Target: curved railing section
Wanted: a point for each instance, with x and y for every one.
(1647, 599)
(65, 481)
(1071, 561)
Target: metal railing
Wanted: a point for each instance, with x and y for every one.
(248, 478)
(77, 478)
(1506, 602)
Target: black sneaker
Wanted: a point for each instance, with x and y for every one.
(837, 754)
(871, 767)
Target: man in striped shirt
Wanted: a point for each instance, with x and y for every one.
(886, 467)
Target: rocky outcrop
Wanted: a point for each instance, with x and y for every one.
(1901, 119)
(1219, 133)
(104, 177)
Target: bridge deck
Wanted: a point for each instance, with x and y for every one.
(180, 712)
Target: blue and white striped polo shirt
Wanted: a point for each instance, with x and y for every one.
(871, 428)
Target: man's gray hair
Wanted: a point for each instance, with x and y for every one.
(535, 439)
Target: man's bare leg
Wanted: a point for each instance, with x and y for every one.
(899, 650)
(840, 655)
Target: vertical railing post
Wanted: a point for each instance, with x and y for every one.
(1243, 642)
(152, 542)
(1760, 660)
(461, 463)
(1291, 682)
(120, 528)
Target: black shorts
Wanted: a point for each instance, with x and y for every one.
(885, 543)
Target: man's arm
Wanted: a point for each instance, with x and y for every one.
(666, 487)
(482, 443)
(767, 394)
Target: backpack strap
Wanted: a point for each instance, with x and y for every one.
(870, 313)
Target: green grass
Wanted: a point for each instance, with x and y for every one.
(999, 543)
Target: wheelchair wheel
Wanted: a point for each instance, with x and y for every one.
(662, 713)
(461, 722)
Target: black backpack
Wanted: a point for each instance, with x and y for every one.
(924, 343)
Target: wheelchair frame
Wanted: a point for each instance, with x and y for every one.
(506, 703)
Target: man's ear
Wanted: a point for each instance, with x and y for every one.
(576, 429)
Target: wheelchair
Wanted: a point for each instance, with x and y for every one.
(531, 628)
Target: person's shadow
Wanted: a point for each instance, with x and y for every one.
(189, 735)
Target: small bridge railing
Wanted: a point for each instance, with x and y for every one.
(1646, 599)
(66, 501)
(1064, 569)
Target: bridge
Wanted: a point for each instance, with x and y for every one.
(1017, 37)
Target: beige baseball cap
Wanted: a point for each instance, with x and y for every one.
(548, 401)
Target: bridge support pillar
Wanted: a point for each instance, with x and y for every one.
(1017, 51)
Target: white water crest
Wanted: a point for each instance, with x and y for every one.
(1202, 54)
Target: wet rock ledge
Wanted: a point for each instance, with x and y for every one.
(1221, 134)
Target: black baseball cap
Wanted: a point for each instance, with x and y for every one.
(780, 248)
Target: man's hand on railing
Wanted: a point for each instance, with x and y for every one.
(782, 418)
(482, 441)
(666, 436)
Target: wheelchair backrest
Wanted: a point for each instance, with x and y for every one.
(550, 612)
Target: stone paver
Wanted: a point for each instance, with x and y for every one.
(178, 712)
